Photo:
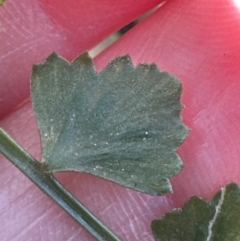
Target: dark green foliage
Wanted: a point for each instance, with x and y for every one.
(122, 124)
(198, 220)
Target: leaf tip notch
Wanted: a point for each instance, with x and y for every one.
(121, 60)
(52, 60)
(84, 59)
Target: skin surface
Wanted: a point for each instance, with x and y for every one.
(196, 40)
(30, 30)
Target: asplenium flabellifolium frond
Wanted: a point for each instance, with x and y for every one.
(122, 124)
(199, 220)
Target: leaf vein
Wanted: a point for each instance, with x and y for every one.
(217, 212)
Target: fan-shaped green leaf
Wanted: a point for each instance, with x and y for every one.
(122, 124)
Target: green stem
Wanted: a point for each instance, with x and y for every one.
(50, 186)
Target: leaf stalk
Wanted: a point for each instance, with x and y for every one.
(50, 186)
